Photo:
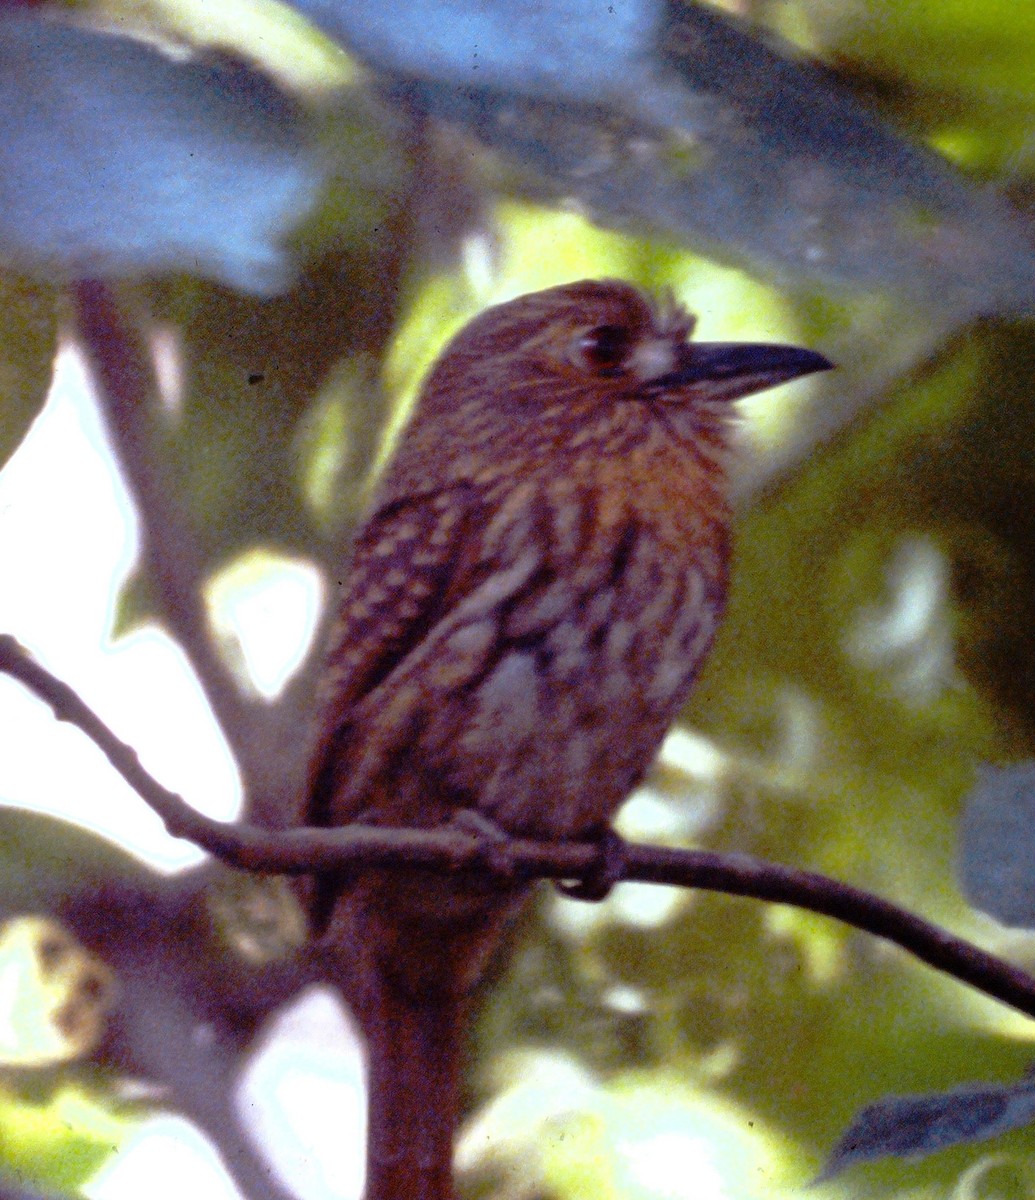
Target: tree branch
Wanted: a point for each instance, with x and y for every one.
(127, 392)
(304, 851)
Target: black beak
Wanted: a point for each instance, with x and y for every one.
(727, 370)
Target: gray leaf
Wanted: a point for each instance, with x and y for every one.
(116, 158)
(915, 1126)
(997, 844)
(669, 116)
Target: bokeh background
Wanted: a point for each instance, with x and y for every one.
(293, 206)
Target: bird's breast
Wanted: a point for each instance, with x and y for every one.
(558, 676)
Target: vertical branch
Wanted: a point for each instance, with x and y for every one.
(127, 392)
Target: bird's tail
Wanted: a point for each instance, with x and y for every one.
(415, 1050)
(408, 970)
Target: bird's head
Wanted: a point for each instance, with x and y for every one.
(530, 372)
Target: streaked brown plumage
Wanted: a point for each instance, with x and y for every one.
(527, 606)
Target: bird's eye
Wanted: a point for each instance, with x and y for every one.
(605, 348)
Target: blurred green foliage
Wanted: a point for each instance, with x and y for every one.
(28, 341)
(957, 70)
(59, 1145)
(878, 640)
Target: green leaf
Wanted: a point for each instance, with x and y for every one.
(43, 858)
(28, 337)
(61, 1143)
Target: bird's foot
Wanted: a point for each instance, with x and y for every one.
(607, 869)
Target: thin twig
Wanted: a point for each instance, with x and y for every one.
(303, 851)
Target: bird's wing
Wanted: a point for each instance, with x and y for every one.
(413, 557)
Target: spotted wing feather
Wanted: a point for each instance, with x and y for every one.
(411, 557)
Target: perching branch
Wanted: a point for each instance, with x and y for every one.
(303, 851)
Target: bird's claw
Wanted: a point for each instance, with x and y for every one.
(608, 868)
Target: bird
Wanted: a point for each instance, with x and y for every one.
(528, 602)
